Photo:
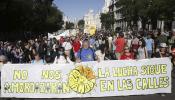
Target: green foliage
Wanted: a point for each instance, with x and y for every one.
(69, 25)
(107, 21)
(19, 16)
(148, 11)
(81, 24)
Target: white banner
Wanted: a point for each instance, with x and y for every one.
(91, 79)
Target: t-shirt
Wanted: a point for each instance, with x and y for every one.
(120, 44)
(127, 57)
(149, 44)
(110, 42)
(86, 55)
(141, 53)
(67, 46)
(110, 39)
(162, 39)
(92, 42)
(135, 44)
(159, 55)
(62, 60)
(97, 44)
(38, 62)
(135, 41)
(76, 46)
(100, 55)
(129, 43)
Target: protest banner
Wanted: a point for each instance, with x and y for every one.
(90, 79)
(92, 30)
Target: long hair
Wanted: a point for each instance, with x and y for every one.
(102, 48)
(143, 43)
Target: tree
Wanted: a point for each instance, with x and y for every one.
(147, 11)
(81, 24)
(107, 21)
(69, 25)
(22, 16)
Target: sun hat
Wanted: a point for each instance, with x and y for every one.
(163, 45)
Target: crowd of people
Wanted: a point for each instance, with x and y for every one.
(82, 48)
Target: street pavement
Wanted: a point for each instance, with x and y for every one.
(142, 97)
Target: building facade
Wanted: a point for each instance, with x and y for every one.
(106, 6)
(120, 23)
(115, 10)
(65, 19)
(92, 20)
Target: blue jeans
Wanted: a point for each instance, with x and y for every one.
(150, 52)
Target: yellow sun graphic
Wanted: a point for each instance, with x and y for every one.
(81, 80)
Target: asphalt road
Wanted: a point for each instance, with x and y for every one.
(148, 97)
(143, 97)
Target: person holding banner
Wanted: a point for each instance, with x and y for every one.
(67, 46)
(62, 58)
(76, 45)
(37, 59)
(173, 61)
(86, 53)
(101, 52)
(142, 50)
(127, 55)
(3, 60)
(163, 52)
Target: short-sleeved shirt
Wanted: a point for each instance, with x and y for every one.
(38, 62)
(120, 44)
(86, 55)
(100, 55)
(76, 46)
(162, 39)
(149, 44)
(158, 55)
(127, 57)
(67, 46)
(92, 42)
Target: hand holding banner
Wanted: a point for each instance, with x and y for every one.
(90, 79)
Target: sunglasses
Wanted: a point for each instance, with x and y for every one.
(1, 61)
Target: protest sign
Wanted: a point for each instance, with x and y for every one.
(90, 79)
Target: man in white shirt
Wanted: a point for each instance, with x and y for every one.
(67, 46)
(110, 42)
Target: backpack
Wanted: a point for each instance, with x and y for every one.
(91, 50)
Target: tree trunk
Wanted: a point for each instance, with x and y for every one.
(144, 24)
(154, 24)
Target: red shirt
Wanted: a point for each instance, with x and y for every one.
(127, 57)
(76, 46)
(120, 44)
